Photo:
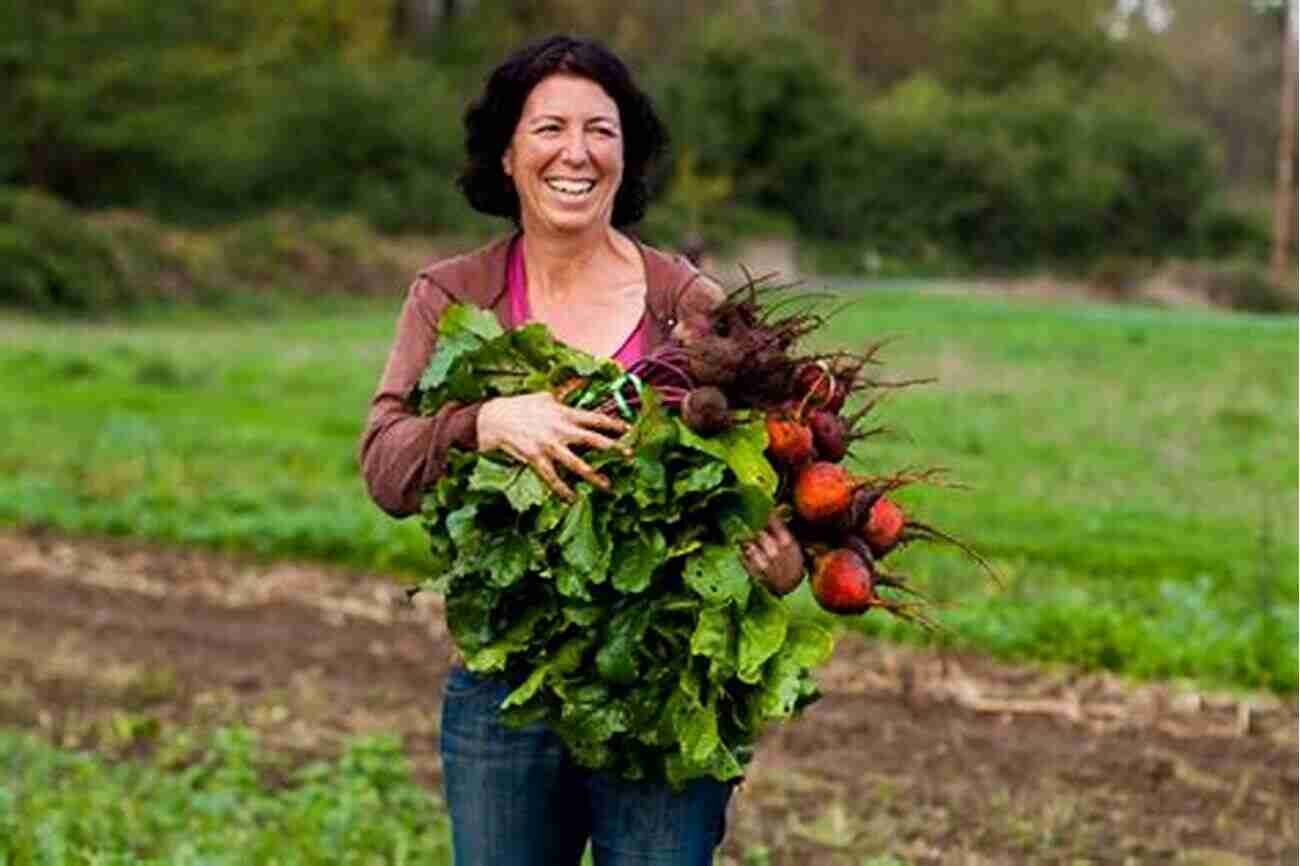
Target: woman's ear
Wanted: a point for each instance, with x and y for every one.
(505, 161)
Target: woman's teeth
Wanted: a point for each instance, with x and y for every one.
(571, 187)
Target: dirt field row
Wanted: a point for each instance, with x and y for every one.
(935, 759)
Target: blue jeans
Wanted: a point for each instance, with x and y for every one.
(516, 798)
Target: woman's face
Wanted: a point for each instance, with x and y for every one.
(566, 155)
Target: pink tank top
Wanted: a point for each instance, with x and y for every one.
(633, 348)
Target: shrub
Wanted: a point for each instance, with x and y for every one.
(771, 115)
(51, 259)
(386, 141)
(1220, 232)
(1034, 175)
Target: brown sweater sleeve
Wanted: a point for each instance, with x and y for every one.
(402, 452)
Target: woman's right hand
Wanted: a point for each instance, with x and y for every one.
(539, 430)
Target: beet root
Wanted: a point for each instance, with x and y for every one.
(815, 384)
(823, 492)
(884, 527)
(789, 442)
(830, 435)
(706, 411)
(843, 582)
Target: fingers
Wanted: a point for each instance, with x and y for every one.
(544, 468)
(583, 436)
(755, 560)
(597, 421)
(777, 527)
(562, 454)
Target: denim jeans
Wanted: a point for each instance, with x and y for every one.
(516, 798)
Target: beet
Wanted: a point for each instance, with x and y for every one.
(714, 360)
(884, 527)
(706, 411)
(843, 582)
(814, 383)
(823, 492)
(788, 442)
(830, 435)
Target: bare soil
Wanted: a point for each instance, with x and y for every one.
(931, 758)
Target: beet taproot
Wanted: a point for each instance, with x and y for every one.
(884, 527)
(815, 384)
(788, 442)
(706, 411)
(843, 582)
(830, 435)
(823, 492)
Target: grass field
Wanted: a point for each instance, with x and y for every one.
(1133, 472)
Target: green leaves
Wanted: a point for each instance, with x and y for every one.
(717, 575)
(520, 484)
(625, 616)
(762, 631)
(742, 448)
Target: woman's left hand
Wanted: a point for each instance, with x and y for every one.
(774, 558)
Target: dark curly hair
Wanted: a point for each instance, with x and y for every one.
(491, 119)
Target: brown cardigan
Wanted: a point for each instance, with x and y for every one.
(402, 453)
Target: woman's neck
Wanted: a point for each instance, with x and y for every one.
(560, 265)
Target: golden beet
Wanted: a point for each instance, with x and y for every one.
(823, 492)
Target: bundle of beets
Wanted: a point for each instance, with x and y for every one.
(625, 618)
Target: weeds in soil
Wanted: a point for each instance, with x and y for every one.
(214, 806)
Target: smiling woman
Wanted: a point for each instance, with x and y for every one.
(561, 143)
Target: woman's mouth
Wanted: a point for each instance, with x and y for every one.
(570, 188)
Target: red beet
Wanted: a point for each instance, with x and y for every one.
(830, 435)
(884, 527)
(788, 441)
(815, 382)
(843, 582)
(705, 410)
(823, 492)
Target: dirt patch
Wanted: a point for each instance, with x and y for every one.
(935, 759)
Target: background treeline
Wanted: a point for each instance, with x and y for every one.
(918, 136)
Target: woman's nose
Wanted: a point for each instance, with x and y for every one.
(575, 148)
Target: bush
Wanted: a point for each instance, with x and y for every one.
(1035, 175)
(769, 114)
(1220, 232)
(1240, 285)
(387, 142)
(51, 259)
(1042, 172)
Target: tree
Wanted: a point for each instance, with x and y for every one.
(1284, 200)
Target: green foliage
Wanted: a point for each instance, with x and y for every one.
(1037, 164)
(1036, 174)
(51, 259)
(203, 111)
(213, 806)
(625, 617)
(384, 140)
(54, 258)
(995, 46)
(768, 112)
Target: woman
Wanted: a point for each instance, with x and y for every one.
(560, 142)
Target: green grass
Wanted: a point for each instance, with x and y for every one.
(214, 806)
(1132, 472)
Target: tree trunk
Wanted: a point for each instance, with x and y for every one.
(1284, 198)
